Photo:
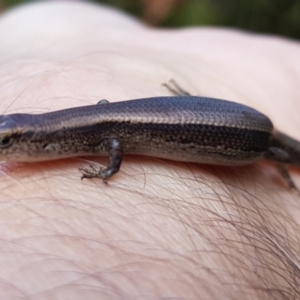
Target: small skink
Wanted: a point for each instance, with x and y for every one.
(182, 128)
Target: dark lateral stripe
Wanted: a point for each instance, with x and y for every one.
(165, 135)
(247, 140)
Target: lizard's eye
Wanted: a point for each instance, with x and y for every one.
(5, 141)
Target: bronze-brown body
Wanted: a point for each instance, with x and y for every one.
(183, 128)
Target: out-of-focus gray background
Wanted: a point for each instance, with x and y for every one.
(279, 17)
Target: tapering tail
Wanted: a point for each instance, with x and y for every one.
(287, 145)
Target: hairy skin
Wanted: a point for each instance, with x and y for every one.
(159, 229)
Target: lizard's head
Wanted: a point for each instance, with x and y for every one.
(8, 130)
(15, 135)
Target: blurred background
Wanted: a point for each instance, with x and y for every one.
(278, 17)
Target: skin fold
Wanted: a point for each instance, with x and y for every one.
(159, 229)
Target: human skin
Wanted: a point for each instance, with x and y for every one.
(159, 229)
